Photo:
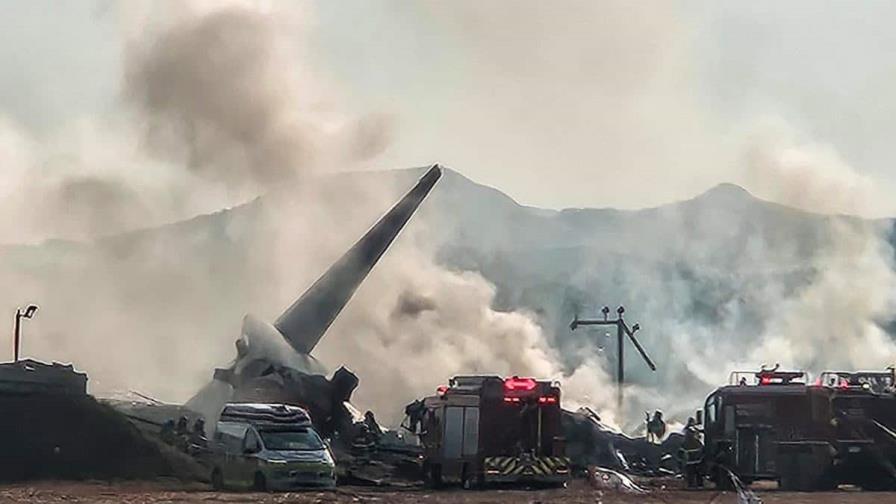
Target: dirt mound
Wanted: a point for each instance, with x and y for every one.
(75, 437)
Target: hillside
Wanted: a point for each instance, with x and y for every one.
(705, 277)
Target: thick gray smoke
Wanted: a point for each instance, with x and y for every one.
(220, 99)
(215, 114)
(836, 320)
(217, 106)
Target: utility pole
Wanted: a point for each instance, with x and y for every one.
(622, 330)
(27, 314)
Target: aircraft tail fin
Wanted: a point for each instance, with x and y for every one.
(305, 322)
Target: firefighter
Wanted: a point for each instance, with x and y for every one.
(414, 414)
(690, 453)
(167, 432)
(372, 426)
(182, 433)
(197, 436)
(363, 444)
(656, 427)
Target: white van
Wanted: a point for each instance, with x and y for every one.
(269, 447)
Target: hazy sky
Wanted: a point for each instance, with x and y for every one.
(556, 103)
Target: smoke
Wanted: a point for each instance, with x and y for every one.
(738, 282)
(417, 324)
(217, 105)
(212, 113)
(220, 99)
(220, 103)
(835, 321)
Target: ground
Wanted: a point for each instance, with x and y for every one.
(578, 492)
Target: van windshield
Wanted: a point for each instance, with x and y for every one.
(300, 439)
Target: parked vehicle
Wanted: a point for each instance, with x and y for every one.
(269, 447)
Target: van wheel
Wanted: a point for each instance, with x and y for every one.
(260, 485)
(217, 479)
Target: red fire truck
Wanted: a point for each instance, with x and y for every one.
(487, 429)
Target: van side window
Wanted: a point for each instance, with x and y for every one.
(250, 442)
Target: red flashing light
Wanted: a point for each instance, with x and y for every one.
(765, 380)
(442, 389)
(511, 399)
(517, 384)
(547, 400)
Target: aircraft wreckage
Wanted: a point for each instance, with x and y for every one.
(274, 362)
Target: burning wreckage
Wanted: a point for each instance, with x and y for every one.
(483, 429)
(274, 365)
(770, 425)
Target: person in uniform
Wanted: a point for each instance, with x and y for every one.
(198, 440)
(656, 427)
(182, 433)
(692, 454)
(167, 433)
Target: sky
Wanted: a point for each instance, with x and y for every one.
(558, 104)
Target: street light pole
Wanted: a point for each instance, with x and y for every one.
(28, 313)
(17, 334)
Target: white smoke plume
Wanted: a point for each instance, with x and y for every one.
(835, 320)
(213, 114)
(806, 303)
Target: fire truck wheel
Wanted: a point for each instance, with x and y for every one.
(471, 481)
(723, 479)
(260, 485)
(432, 475)
(217, 479)
(792, 481)
(877, 485)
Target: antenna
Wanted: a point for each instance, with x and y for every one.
(622, 330)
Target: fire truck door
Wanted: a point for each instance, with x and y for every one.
(471, 432)
(454, 432)
(461, 432)
(754, 450)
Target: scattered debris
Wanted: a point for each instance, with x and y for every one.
(589, 442)
(602, 478)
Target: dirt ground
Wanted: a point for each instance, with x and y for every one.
(578, 492)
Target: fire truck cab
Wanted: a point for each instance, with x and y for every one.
(487, 429)
(767, 425)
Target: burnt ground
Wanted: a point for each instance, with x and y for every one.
(578, 492)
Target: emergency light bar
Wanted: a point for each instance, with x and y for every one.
(517, 384)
